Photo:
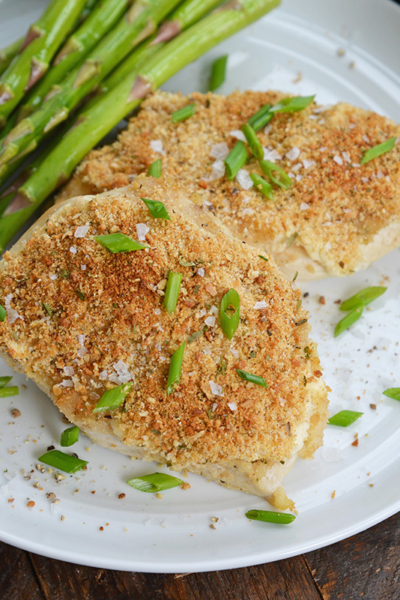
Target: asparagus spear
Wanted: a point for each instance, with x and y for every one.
(185, 15)
(8, 53)
(41, 43)
(98, 23)
(93, 124)
(138, 23)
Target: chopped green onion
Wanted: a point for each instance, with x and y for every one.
(175, 368)
(155, 169)
(119, 242)
(218, 73)
(172, 291)
(269, 516)
(263, 257)
(70, 436)
(9, 391)
(155, 482)
(235, 160)
(344, 418)
(393, 393)
(294, 104)
(282, 179)
(157, 209)
(252, 378)
(253, 141)
(363, 297)
(3, 313)
(63, 462)
(183, 113)
(378, 150)
(263, 186)
(112, 399)
(290, 241)
(261, 118)
(47, 308)
(348, 320)
(81, 295)
(230, 322)
(4, 380)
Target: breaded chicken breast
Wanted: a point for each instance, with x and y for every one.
(82, 320)
(337, 218)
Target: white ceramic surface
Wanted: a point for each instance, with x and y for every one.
(301, 40)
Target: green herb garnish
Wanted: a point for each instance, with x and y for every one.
(348, 320)
(183, 113)
(175, 368)
(112, 399)
(155, 169)
(157, 209)
(263, 186)
(261, 118)
(81, 295)
(229, 313)
(69, 436)
(344, 418)
(172, 291)
(4, 380)
(235, 160)
(119, 242)
(5, 392)
(269, 516)
(378, 150)
(47, 308)
(295, 104)
(393, 393)
(218, 73)
(3, 313)
(282, 179)
(63, 462)
(363, 297)
(263, 257)
(155, 482)
(252, 378)
(253, 141)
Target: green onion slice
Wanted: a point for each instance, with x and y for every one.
(295, 104)
(252, 378)
(4, 380)
(12, 390)
(172, 291)
(344, 418)
(229, 313)
(348, 320)
(363, 297)
(235, 160)
(218, 73)
(63, 462)
(155, 169)
(263, 186)
(154, 482)
(70, 436)
(261, 118)
(157, 209)
(269, 516)
(175, 368)
(378, 150)
(183, 113)
(282, 178)
(263, 257)
(112, 399)
(119, 242)
(253, 141)
(393, 393)
(3, 313)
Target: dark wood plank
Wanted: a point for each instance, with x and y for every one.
(283, 580)
(17, 579)
(364, 566)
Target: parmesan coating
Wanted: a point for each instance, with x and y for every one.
(337, 218)
(89, 320)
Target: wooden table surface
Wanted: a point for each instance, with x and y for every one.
(364, 566)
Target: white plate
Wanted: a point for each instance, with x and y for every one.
(143, 533)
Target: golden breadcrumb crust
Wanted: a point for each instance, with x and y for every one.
(335, 207)
(85, 308)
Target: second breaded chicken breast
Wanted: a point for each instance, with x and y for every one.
(82, 320)
(338, 216)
